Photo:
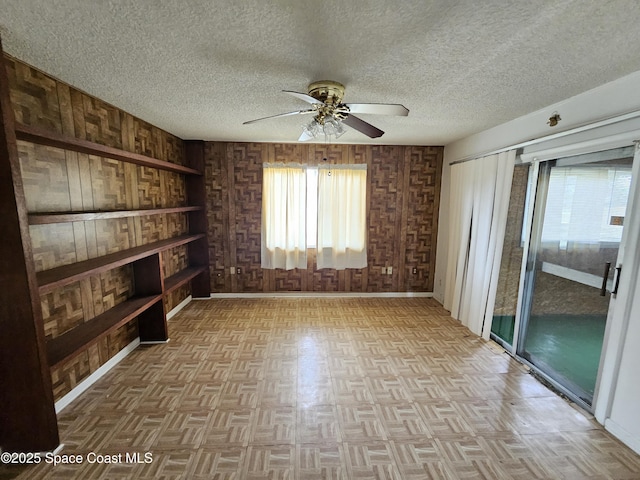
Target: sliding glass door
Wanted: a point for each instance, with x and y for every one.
(572, 266)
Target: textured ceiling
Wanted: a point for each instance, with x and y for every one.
(199, 68)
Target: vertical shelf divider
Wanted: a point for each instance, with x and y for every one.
(197, 196)
(147, 278)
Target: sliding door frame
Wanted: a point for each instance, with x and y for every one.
(623, 134)
(527, 228)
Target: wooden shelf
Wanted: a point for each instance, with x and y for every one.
(57, 277)
(84, 335)
(64, 217)
(182, 277)
(53, 139)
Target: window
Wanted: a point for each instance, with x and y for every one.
(303, 204)
(342, 209)
(582, 203)
(284, 197)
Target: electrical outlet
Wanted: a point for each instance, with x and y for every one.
(389, 270)
(238, 270)
(415, 270)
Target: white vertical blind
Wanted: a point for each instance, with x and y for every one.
(342, 195)
(479, 202)
(284, 196)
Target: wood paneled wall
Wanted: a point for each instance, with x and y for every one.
(512, 250)
(403, 199)
(59, 180)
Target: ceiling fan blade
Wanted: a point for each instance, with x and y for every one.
(362, 126)
(379, 108)
(298, 112)
(303, 96)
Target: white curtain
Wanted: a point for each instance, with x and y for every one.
(284, 195)
(342, 225)
(479, 202)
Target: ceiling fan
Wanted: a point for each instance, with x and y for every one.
(330, 113)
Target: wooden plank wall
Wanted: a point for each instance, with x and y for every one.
(403, 200)
(59, 180)
(513, 248)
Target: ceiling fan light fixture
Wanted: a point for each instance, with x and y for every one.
(311, 129)
(333, 128)
(328, 126)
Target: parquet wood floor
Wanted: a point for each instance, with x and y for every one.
(308, 388)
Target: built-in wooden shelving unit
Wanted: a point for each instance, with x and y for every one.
(150, 286)
(28, 411)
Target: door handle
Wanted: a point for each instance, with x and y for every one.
(617, 281)
(605, 277)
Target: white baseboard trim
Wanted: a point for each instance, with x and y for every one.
(55, 451)
(439, 297)
(178, 307)
(95, 376)
(626, 437)
(322, 295)
(155, 342)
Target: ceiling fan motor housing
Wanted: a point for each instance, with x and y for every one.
(327, 92)
(330, 93)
